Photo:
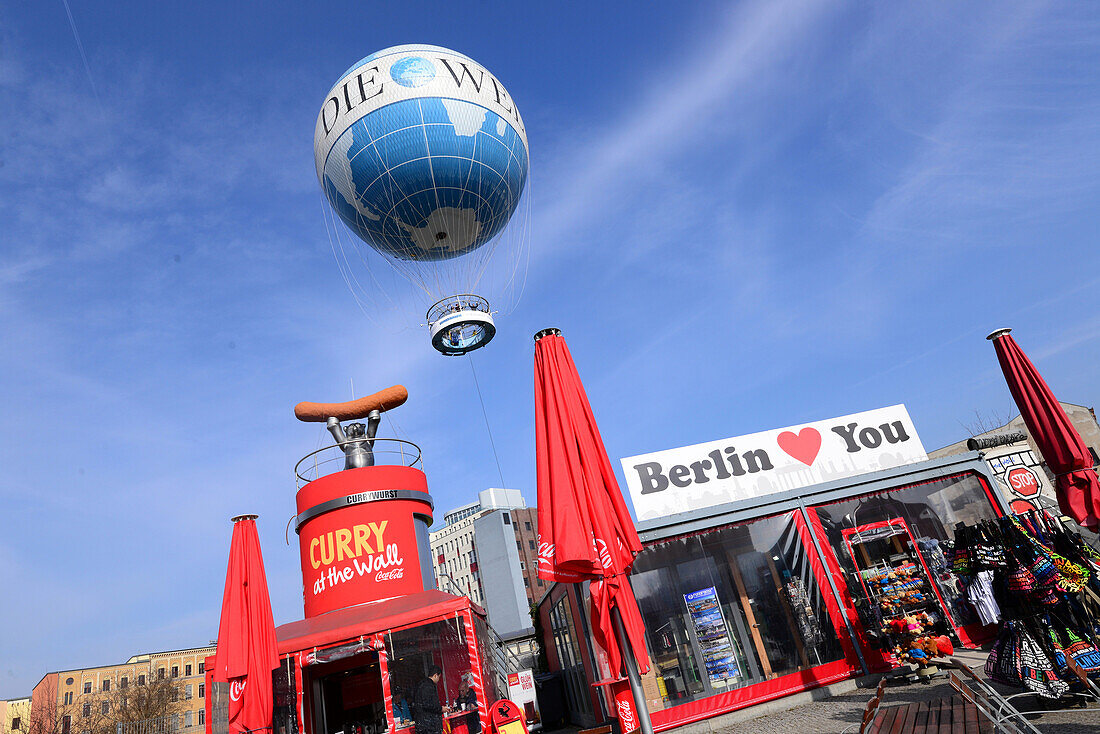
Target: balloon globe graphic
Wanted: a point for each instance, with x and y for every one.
(422, 154)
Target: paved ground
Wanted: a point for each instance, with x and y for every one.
(833, 715)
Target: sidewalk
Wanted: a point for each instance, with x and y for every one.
(845, 707)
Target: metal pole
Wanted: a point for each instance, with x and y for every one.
(832, 585)
(632, 675)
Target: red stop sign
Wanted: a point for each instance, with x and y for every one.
(1022, 481)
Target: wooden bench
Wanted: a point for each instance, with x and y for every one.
(952, 715)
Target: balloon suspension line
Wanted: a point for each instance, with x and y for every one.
(486, 415)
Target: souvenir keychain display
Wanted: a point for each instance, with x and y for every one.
(1042, 580)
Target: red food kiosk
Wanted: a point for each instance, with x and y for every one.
(374, 624)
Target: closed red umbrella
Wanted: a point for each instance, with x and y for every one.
(585, 530)
(246, 652)
(1063, 450)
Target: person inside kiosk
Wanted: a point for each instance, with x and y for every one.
(429, 669)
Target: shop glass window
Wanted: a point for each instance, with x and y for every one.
(569, 656)
(412, 652)
(731, 607)
(907, 530)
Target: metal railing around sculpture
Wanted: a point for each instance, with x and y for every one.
(333, 458)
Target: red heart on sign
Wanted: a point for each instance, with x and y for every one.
(802, 446)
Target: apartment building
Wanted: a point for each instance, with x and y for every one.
(75, 701)
(454, 551)
(15, 715)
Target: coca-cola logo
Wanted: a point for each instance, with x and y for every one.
(626, 716)
(604, 554)
(236, 688)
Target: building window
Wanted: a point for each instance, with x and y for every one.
(187, 691)
(522, 566)
(160, 672)
(86, 711)
(106, 685)
(187, 670)
(123, 682)
(87, 686)
(531, 544)
(66, 723)
(141, 679)
(202, 667)
(105, 708)
(15, 722)
(202, 692)
(175, 671)
(68, 698)
(175, 694)
(68, 681)
(202, 717)
(187, 718)
(526, 526)
(507, 519)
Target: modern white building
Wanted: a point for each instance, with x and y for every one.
(455, 550)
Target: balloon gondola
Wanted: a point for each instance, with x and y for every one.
(422, 154)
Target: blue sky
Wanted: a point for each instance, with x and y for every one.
(744, 216)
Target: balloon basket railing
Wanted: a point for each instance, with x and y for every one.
(460, 324)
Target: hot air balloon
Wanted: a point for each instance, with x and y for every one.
(422, 153)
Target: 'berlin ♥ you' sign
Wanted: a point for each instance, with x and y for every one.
(714, 473)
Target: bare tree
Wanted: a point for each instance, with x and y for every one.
(152, 707)
(984, 423)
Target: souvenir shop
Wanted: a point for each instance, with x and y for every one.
(765, 597)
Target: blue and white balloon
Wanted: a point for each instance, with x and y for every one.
(421, 152)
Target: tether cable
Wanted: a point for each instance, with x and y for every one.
(488, 430)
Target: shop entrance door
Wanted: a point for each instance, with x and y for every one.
(346, 696)
(896, 581)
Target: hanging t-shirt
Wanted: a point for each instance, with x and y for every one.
(980, 593)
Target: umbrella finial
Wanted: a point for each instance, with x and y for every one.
(547, 332)
(997, 333)
(238, 518)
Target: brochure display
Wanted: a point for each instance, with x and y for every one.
(719, 655)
